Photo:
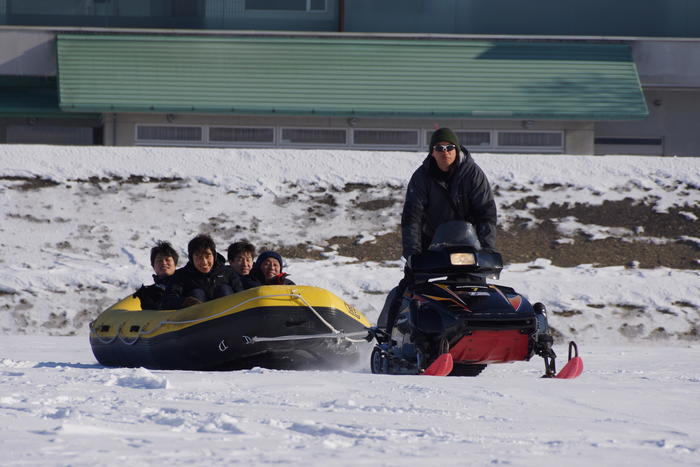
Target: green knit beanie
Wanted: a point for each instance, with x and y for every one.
(443, 134)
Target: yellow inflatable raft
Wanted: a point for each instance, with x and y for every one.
(279, 326)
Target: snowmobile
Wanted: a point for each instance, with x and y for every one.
(452, 322)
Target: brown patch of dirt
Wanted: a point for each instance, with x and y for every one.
(385, 247)
(356, 186)
(29, 218)
(375, 204)
(302, 250)
(522, 202)
(629, 214)
(327, 199)
(29, 183)
(36, 183)
(523, 243)
(131, 180)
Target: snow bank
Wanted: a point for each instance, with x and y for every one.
(78, 222)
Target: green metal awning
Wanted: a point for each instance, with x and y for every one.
(28, 103)
(31, 97)
(348, 77)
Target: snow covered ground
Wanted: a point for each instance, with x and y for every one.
(77, 225)
(634, 405)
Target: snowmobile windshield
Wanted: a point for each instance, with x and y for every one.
(455, 234)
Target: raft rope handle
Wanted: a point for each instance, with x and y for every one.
(339, 334)
(254, 339)
(117, 335)
(138, 336)
(318, 315)
(108, 341)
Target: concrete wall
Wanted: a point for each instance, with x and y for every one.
(669, 71)
(668, 63)
(49, 130)
(674, 117)
(27, 53)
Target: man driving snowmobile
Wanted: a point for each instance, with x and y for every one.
(444, 318)
(449, 185)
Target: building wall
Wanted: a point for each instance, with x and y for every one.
(170, 14)
(674, 120)
(27, 53)
(669, 63)
(669, 71)
(50, 130)
(649, 18)
(120, 129)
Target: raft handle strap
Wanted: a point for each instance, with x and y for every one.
(255, 339)
(328, 325)
(106, 341)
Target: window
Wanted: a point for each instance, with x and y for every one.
(467, 138)
(629, 145)
(630, 141)
(527, 139)
(313, 136)
(40, 134)
(168, 134)
(286, 5)
(385, 137)
(474, 138)
(508, 140)
(241, 135)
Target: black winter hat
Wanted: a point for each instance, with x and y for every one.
(443, 134)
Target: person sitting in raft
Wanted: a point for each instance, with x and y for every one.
(164, 262)
(267, 269)
(240, 257)
(205, 276)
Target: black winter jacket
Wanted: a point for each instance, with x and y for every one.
(433, 198)
(151, 296)
(189, 278)
(249, 282)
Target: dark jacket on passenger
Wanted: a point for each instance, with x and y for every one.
(152, 296)
(434, 197)
(249, 281)
(189, 278)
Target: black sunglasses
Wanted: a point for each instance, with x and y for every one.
(444, 147)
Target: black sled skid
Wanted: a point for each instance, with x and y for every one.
(383, 361)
